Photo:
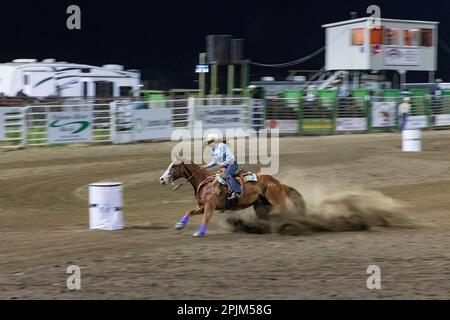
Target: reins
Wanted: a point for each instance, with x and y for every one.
(181, 184)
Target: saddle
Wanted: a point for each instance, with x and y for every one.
(241, 177)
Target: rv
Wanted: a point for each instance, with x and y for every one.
(48, 78)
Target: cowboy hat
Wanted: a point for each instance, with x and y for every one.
(211, 138)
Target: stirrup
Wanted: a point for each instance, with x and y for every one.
(234, 195)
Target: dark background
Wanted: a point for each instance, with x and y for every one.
(164, 38)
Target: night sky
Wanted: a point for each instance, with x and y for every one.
(163, 38)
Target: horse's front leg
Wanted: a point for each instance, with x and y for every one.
(209, 207)
(182, 223)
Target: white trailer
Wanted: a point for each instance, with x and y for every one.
(61, 79)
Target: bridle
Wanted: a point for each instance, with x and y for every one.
(180, 184)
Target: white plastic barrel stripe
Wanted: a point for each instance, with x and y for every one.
(106, 206)
(411, 141)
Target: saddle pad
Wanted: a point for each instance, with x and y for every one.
(250, 178)
(220, 179)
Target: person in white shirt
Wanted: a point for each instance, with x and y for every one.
(403, 112)
(222, 156)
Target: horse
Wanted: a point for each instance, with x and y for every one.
(264, 192)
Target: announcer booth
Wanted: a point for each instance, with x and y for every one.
(400, 45)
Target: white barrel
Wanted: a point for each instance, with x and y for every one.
(411, 141)
(106, 206)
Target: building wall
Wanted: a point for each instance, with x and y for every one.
(340, 54)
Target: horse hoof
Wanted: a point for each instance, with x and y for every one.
(199, 234)
(180, 225)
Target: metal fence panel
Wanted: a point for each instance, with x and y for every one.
(440, 112)
(352, 115)
(283, 114)
(38, 117)
(12, 127)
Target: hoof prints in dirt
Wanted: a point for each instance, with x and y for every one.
(146, 227)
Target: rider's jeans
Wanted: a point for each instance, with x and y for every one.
(229, 170)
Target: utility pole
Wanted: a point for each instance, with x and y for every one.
(244, 75)
(213, 78)
(230, 80)
(202, 76)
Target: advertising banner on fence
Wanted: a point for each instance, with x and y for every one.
(416, 122)
(351, 124)
(441, 120)
(69, 127)
(152, 124)
(220, 117)
(383, 114)
(2, 124)
(284, 126)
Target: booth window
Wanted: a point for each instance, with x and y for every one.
(391, 36)
(125, 91)
(104, 89)
(85, 88)
(358, 37)
(376, 36)
(427, 37)
(411, 37)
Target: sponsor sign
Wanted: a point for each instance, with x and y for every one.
(220, 117)
(202, 68)
(383, 114)
(69, 127)
(416, 122)
(351, 124)
(284, 126)
(401, 57)
(441, 120)
(152, 124)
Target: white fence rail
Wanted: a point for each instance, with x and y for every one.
(13, 130)
(132, 121)
(117, 122)
(62, 124)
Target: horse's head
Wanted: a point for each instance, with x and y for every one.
(173, 172)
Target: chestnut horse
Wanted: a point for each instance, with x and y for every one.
(266, 195)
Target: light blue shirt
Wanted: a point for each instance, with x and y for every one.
(221, 154)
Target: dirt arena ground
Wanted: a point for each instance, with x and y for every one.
(44, 216)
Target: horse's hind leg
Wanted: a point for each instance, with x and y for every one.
(182, 223)
(283, 199)
(297, 200)
(262, 208)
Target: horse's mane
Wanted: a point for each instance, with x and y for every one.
(189, 163)
(196, 166)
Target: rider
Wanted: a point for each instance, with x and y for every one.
(222, 156)
(403, 112)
